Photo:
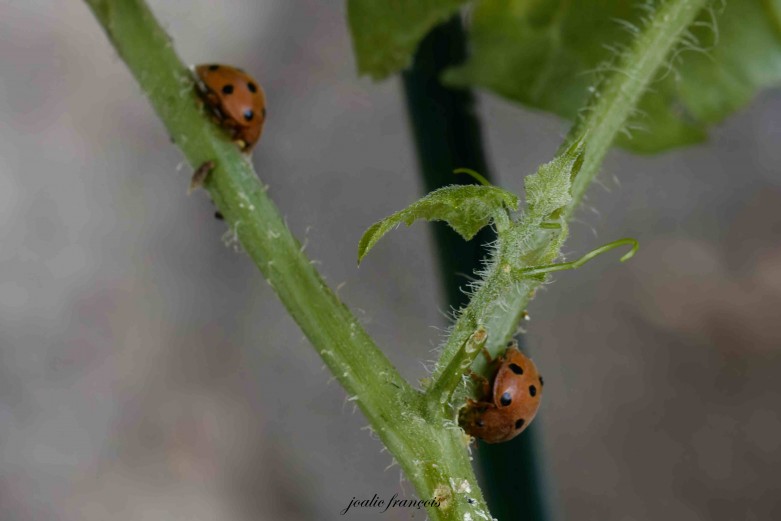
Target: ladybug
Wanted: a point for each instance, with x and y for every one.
(509, 401)
(237, 101)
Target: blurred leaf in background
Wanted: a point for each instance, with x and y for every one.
(386, 33)
(547, 54)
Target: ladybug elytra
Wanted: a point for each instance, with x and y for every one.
(509, 400)
(236, 100)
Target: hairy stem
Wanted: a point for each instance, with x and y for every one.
(605, 116)
(448, 135)
(443, 388)
(635, 69)
(428, 447)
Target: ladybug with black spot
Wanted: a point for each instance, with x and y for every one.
(236, 100)
(508, 402)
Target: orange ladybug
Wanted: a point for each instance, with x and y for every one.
(508, 403)
(237, 101)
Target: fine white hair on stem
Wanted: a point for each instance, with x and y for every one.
(392, 464)
(628, 26)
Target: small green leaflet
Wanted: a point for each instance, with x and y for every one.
(466, 208)
(548, 189)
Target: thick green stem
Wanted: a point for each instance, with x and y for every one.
(427, 446)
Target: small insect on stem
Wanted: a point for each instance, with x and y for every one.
(539, 270)
(199, 176)
(479, 178)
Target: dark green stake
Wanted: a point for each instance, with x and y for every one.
(447, 136)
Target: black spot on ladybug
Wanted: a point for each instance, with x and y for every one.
(248, 114)
(480, 423)
(213, 67)
(519, 423)
(228, 89)
(541, 382)
(532, 390)
(517, 369)
(506, 399)
(252, 87)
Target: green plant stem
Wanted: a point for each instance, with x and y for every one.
(609, 109)
(428, 447)
(616, 98)
(448, 136)
(452, 377)
(605, 116)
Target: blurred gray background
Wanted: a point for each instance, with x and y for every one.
(148, 372)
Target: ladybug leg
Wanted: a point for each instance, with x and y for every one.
(209, 97)
(232, 128)
(206, 98)
(482, 381)
(201, 95)
(211, 100)
(480, 406)
(235, 131)
(250, 135)
(487, 356)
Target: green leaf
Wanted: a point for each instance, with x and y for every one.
(466, 208)
(548, 190)
(547, 54)
(386, 32)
